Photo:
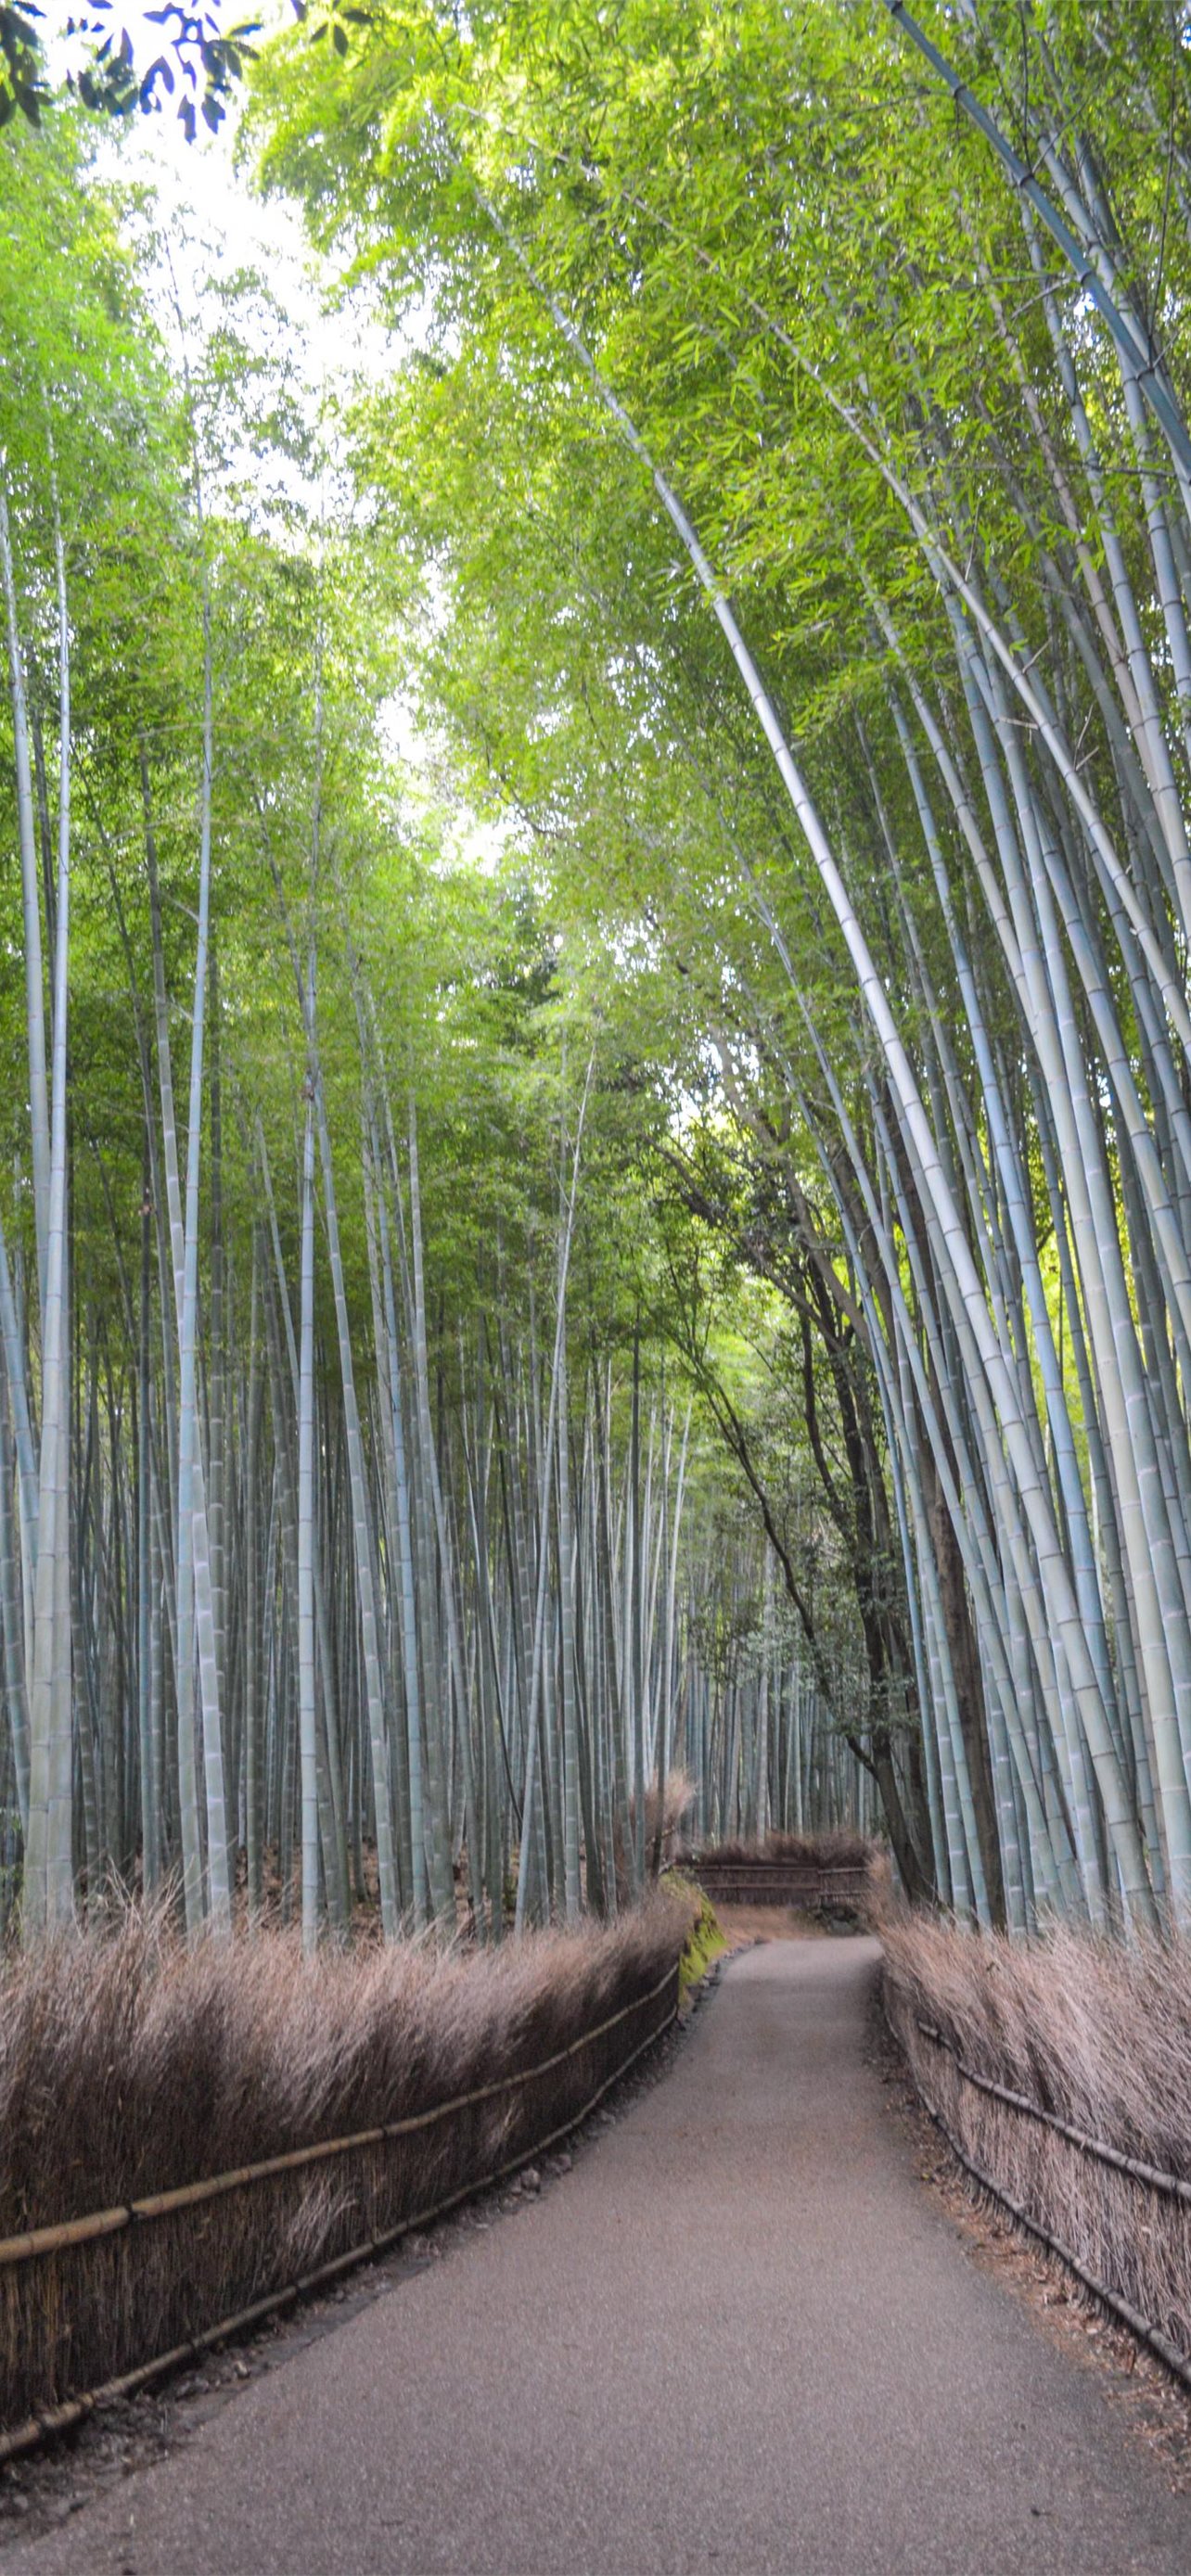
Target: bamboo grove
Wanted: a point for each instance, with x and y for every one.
(809, 544)
(364, 1555)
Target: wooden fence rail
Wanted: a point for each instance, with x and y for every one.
(475, 2155)
(778, 1882)
(1150, 2178)
(163, 2204)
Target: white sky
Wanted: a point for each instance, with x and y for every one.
(216, 223)
(215, 218)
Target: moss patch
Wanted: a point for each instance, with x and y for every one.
(705, 1940)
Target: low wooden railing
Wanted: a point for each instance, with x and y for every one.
(822, 1889)
(51, 2275)
(1153, 2190)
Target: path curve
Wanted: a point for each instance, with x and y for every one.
(740, 2335)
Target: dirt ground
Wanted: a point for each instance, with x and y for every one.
(743, 1925)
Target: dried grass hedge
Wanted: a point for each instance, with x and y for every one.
(836, 1849)
(130, 2064)
(1095, 2033)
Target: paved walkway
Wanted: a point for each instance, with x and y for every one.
(739, 2336)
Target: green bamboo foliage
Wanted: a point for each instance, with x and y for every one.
(364, 1544)
(344, 1604)
(948, 1005)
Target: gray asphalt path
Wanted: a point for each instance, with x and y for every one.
(741, 2335)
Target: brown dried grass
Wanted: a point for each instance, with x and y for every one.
(1098, 2034)
(665, 1809)
(834, 1849)
(130, 2064)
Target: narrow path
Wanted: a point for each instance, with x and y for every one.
(740, 2336)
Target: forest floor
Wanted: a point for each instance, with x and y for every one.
(739, 2330)
(744, 1925)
